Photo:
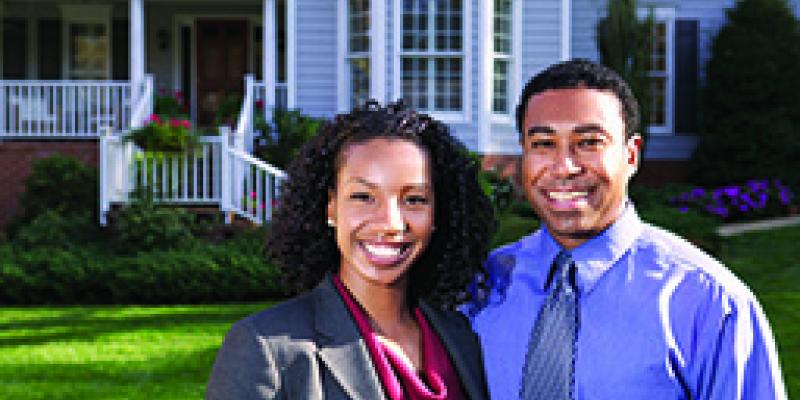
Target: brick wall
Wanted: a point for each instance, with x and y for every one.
(15, 166)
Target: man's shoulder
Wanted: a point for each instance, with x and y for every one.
(680, 257)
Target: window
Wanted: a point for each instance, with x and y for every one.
(432, 55)
(661, 71)
(502, 56)
(358, 46)
(89, 51)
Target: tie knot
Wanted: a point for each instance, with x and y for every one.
(563, 271)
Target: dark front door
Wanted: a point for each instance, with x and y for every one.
(221, 65)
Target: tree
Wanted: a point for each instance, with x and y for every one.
(751, 120)
(625, 45)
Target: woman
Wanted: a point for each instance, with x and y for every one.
(382, 212)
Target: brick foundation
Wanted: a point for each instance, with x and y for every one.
(16, 158)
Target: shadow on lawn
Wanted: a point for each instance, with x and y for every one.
(86, 325)
(166, 376)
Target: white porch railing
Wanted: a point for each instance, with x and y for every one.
(217, 172)
(58, 109)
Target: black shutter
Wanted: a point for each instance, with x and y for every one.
(120, 50)
(15, 49)
(50, 58)
(686, 96)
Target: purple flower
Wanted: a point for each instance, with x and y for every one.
(721, 211)
(731, 191)
(697, 193)
(743, 208)
(683, 209)
(785, 197)
(758, 185)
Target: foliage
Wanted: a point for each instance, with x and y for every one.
(51, 229)
(92, 273)
(502, 192)
(59, 183)
(228, 111)
(751, 119)
(758, 198)
(700, 229)
(144, 226)
(625, 45)
(170, 105)
(165, 135)
(282, 140)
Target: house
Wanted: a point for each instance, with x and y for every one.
(73, 68)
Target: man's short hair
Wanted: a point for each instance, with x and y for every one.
(582, 73)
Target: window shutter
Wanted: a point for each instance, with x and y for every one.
(50, 58)
(15, 51)
(120, 50)
(686, 76)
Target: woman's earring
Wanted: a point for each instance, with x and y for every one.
(330, 222)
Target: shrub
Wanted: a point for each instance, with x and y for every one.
(61, 184)
(282, 140)
(170, 105)
(624, 43)
(697, 228)
(751, 120)
(144, 226)
(93, 274)
(51, 229)
(228, 111)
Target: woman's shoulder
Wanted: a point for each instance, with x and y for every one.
(295, 315)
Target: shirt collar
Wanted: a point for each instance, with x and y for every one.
(592, 258)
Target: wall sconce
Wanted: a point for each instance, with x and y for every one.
(162, 38)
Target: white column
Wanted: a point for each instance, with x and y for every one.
(377, 23)
(2, 26)
(137, 40)
(269, 54)
(566, 30)
(485, 49)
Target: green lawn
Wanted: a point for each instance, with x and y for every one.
(166, 352)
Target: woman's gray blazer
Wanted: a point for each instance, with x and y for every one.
(310, 348)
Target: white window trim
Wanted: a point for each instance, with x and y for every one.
(667, 16)
(515, 69)
(454, 117)
(84, 14)
(291, 54)
(376, 54)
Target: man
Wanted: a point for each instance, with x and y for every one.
(598, 304)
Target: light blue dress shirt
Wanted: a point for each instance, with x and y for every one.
(659, 319)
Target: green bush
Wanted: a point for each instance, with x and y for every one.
(282, 140)
(697, 228)
(228, 111)
(51, 229)
(751, 119)
(61, 184)
(93, 274)
(143, 226)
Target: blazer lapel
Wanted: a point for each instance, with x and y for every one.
(463, 350)
(341, 347)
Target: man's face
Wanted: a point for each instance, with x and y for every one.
(576, 161)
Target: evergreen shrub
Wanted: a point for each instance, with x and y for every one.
(751, 118)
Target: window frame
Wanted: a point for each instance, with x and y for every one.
(666, 16)
(85, 15)
(431, 55)
(352, 56)
(514, 64)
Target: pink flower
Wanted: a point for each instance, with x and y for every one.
(178, 96)
(260, 104)
(186, 124)
(253, 194)
(154, 119)
(174, 123)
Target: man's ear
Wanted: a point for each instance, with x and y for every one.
(633, 152)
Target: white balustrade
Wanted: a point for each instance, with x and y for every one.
(57, 109)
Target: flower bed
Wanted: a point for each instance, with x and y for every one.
(171, 134)
(755, 199)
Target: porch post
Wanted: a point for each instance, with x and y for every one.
(137, 38)
(2, 27)
(269, 55)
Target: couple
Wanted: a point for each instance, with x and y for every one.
(383, 213)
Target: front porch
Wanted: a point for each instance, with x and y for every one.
(92, 72)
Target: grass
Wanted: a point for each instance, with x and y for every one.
(111, 352)
(132, 352)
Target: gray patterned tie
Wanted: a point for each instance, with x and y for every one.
(549, 371)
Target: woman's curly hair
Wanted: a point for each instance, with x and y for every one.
(304, 246)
